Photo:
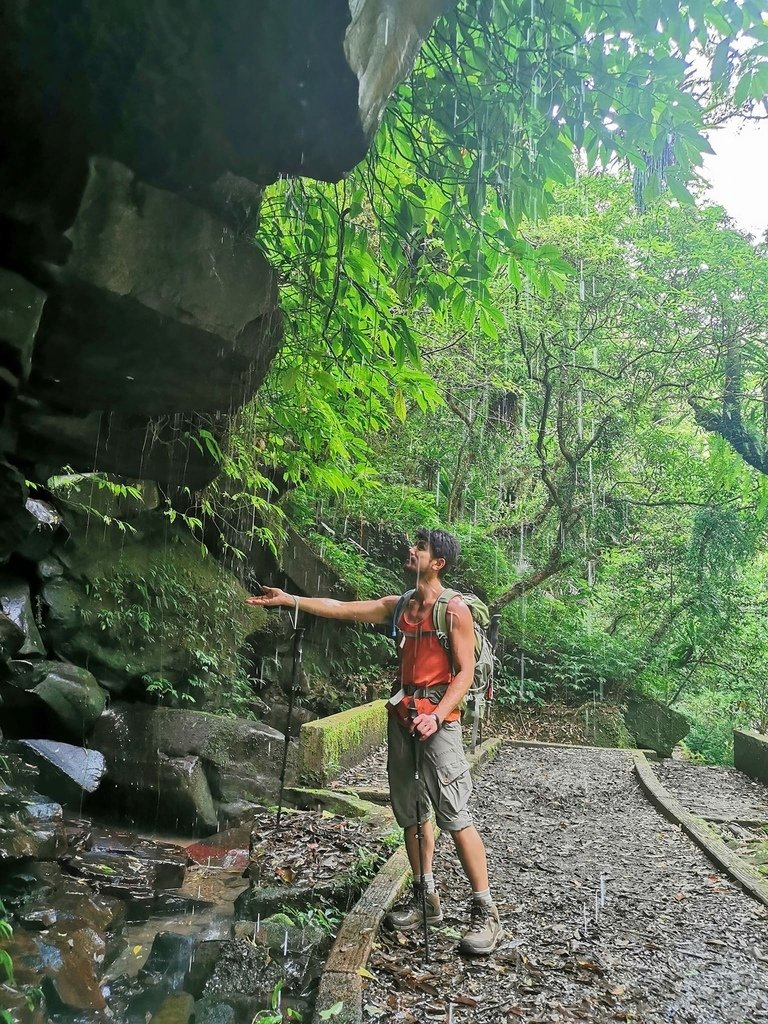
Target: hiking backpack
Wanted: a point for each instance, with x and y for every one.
(482, 683)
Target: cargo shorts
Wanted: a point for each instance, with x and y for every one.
(445, 783)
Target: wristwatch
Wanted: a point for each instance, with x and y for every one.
(437, 719)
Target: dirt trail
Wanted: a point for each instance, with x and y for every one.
(610, 913)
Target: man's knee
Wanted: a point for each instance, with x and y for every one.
(459, 821)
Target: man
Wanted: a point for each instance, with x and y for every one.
(425, 704)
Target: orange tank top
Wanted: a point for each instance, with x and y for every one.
(423, 662)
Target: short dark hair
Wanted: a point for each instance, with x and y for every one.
(442, 545)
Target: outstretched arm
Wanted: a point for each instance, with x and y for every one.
(377, 612)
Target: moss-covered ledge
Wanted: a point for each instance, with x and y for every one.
(347, 805)
(329, 744)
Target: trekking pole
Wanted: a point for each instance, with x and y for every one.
(493, 640)
(298, 638)
(412, 714)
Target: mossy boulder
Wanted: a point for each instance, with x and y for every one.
(72, 694)
(654, 725)
(750, 753)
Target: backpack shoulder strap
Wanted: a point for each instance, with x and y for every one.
(402, 601)
(440, 614)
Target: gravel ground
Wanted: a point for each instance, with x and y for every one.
(371, 773)
(715, 792)
(673, 940)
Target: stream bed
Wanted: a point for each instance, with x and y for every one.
(114, 924)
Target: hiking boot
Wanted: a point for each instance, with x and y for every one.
(484, 930)
(410, 915)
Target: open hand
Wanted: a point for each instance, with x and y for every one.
(270, 597)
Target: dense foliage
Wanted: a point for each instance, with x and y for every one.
(621, 540)
(508, 102)
(571, 358)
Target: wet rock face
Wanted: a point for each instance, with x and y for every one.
(11, 637)
(190, 308)
(129, 194)
(174, 761)
(60, 939)
(21, 304)
(93, 607)
(49, 698)
(282, 86)
(169, 958)
(42, 895)
(131, 446)
(165, 792)
(245, 968)
(63, 961)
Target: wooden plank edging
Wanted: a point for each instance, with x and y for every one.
(650, 754)
(341, 981)
(698, 830)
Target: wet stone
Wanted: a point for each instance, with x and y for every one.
(201, 968)
(72, 693)
(16, 604)
(299, 950)
(654, 725)
(170, 902)
(49, 568)
(30, 827)
(11, 636)
(66, 771)
(259, 901)
(168, 862)
(245, 968)
(46, 520)
(169, 959)
(18, 774)
(41, 897)
(132, 875)
(177, 1009)
(238, 812)
(229, 849)
(211, 1010)
(66, 960)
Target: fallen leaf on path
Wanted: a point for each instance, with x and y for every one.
(465, 1000)
(590, 965)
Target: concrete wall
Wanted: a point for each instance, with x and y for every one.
(750, 753)
(341, 740)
